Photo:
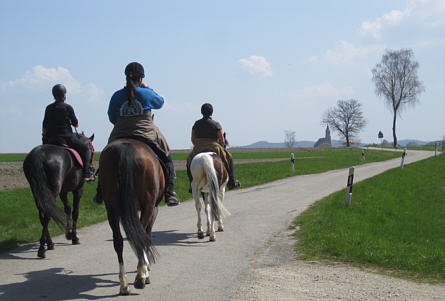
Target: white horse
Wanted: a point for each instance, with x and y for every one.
(209, 179)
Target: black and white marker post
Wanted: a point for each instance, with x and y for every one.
(403, 158)
(363, 155)
(292, 161)
(349, 187)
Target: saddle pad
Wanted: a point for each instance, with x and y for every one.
(75, 155)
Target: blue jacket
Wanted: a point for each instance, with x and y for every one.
(146, 99)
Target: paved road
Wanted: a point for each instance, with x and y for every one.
(188, 269)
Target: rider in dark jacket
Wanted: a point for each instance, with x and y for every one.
(207, 135)
(56, 129)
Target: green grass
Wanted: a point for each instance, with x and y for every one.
(19, 222)
(396, 223)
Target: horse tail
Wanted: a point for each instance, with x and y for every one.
(35, 173)
(212, 181)
(136, 234)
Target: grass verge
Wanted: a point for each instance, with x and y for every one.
(19, 222)
(396, 223)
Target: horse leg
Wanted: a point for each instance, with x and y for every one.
(142, 276)
(220, 198)
(210, 229)
(198, 210)
(45, 238)
(67, 209)
(77, 194)
(149, 229)
(118, 243)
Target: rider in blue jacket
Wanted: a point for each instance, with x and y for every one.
(130, 112)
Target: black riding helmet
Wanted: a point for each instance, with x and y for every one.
(59, 92)
(134, 70)
(206, 110)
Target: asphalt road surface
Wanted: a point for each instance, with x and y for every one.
(188, 268)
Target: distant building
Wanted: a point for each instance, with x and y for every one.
(326, 139)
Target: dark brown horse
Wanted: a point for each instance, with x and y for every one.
(52, 171)
(132, 182)
(209, 180)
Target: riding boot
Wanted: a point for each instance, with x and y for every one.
(232, 183)
(98, 197)
(170, 195)
(189, 174)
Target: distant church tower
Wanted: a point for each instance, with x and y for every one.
(326, 139)
(328, 135)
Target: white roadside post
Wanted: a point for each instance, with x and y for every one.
(435, 149)
(292, 160)
(403, 158)
(349, 187)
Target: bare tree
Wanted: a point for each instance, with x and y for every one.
(346, 118)
(289, 138)
(395, 78)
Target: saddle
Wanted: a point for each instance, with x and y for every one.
(75, 155)
(60, 141)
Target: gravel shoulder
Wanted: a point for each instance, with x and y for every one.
(278, 275)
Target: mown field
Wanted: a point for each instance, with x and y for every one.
(396, 223)
(19, 221)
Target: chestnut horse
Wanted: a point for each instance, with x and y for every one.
(52, 171)
(209, 179)
(132, 183)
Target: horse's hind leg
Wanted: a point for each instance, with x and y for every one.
(210, 228)
(76, 199)
(67, 209)
(198, 211)
(142, 276)
(118, 243)
(220, 198)
(45, 238)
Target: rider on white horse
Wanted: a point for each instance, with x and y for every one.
(207, 135)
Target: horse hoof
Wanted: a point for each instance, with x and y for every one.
(124, 291)
(69, 235)
(200, 235)
(212, 239)
(75, 241)
(139, 282)
(147, 280)
(41, 253)
(220, 229)
(51, 246)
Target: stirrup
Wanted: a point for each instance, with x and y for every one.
(171, 199)
(233, 185)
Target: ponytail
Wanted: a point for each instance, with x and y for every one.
(130, 88)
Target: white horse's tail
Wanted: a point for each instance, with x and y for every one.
(212, 181)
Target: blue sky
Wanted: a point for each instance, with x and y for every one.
(266, 66)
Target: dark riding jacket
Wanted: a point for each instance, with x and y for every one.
(59, 117)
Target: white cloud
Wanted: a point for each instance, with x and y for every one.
(324, 90)
(40, 78)
(428, 13)
(256, 65)
(348, 53)
(390, 19)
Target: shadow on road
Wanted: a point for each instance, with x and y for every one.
(56, 284)
(172, 237)
(26, 249)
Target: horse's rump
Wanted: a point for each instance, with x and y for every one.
(131, 180)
